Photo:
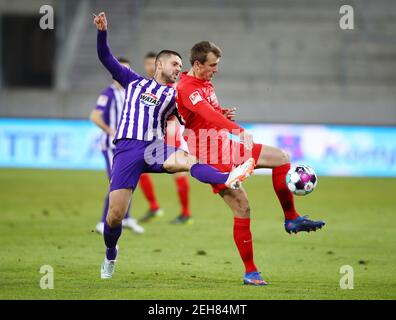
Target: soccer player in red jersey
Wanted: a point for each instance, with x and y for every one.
(175, 139)
(206, 119)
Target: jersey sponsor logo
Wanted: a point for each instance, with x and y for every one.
(149, 99)
(212, 98)
(195, 97)
(102, 100)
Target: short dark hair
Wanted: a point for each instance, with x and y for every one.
(123, 60)
(167, 53)
(199, 52)
(150, 55)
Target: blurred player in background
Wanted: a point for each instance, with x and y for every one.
(106, 116)
(139, 139)
(198, 105)
(175, 139)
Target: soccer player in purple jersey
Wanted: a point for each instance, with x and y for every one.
(139, 139)
(173, 137)
(106, 116)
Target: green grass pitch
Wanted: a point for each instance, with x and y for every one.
(47, 218)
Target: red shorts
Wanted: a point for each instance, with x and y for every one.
(229, 155)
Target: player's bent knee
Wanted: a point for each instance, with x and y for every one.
(180, 161)
(190, 160)
(271, 157)
(285, 157)
(119, 200)
(175, 167)
(279, 157)
(114, 217)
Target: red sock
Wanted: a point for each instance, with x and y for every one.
(183, 188)
(244, 242)
(148, 190)
(282, 191)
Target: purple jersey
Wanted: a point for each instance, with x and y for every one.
(110, 102)
(147, 106)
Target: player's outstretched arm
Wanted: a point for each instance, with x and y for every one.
(192, 98)
(120, 73)
(195, 103)
(205, 110)
(221, 122)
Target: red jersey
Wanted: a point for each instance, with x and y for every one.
(198, 105)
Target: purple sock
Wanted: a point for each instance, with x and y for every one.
(208, 174)
(111, 236)
(105, 208)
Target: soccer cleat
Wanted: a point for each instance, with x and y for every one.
(303, 224)
(107, 268)
(150, 214)
(240, 173)
(182, 220)
(254, 279)
(132, 224)
(100, 227)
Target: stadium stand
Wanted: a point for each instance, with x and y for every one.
(283, 61)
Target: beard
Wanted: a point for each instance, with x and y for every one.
(169, 78)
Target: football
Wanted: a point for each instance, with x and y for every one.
(301, 179)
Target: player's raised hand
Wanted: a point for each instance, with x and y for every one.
(247, 140)
(100, 21)
(229, 113)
